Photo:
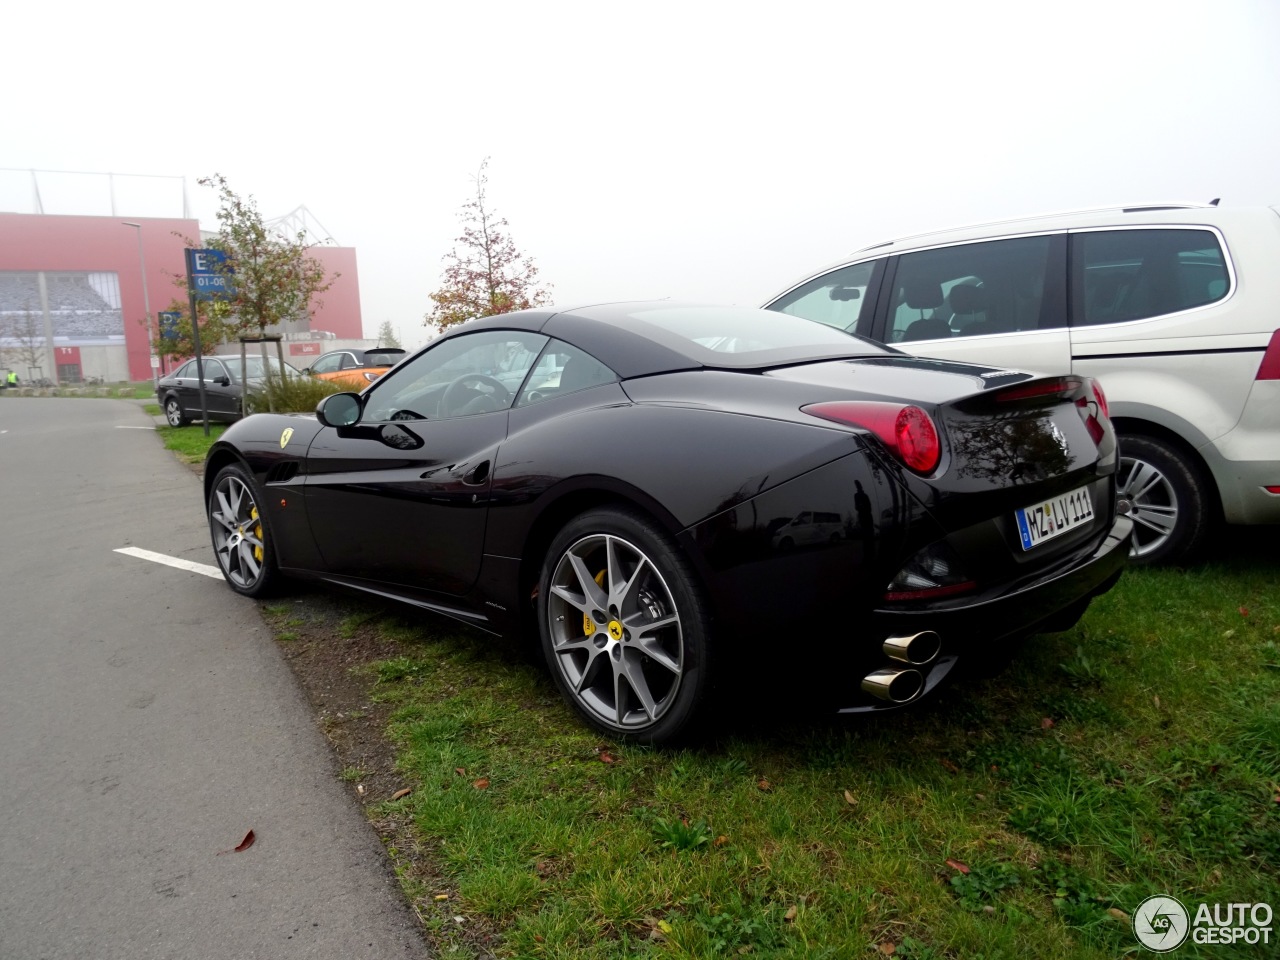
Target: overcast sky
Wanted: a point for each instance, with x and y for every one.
(707, 151)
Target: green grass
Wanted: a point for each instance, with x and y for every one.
(190, 442)
(136, 390)
(1137, 754)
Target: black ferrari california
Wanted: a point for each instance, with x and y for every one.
(682, 500)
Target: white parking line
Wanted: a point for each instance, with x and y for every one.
(121, 426)
(206, 569)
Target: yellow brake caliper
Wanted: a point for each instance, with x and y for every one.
(589, 625)
(257, 532)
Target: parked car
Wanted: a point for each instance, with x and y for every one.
(625, 512)
(179, 392)
(355, 369)
(1174, 308)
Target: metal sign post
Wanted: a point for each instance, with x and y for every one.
(207, 279)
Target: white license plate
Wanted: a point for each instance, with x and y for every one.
(1055, 516)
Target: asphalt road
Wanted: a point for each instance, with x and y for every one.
(148, 723)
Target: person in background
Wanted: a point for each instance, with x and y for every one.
(11, 380)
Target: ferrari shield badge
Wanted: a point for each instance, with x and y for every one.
(284, 437)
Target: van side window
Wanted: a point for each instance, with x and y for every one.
(1119, 275)
(975, 288)
(837, 299)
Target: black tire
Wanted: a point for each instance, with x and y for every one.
(242, 541)
(174, 414)
(1171, 503)
(629, 646)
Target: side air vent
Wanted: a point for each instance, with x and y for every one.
(283, 472)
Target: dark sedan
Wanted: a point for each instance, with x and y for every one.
(628, 483)
(179, 392)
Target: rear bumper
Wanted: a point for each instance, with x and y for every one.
(970, 630)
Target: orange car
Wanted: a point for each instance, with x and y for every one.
(355, 369)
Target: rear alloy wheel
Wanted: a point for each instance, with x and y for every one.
(240, 540)
(173, 413)
(1171, 513)
(623, 626)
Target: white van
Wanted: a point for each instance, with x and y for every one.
(1174, 308)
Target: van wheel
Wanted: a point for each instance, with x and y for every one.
(1171, 507)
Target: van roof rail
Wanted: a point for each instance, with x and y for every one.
(1138, 208)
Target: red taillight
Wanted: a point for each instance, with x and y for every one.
(1101, 398)
(1270, 367)
(906, 430)
(1061, 387)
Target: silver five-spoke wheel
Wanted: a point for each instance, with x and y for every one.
(1169, 502)
(622, 628)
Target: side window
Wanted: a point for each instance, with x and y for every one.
(838, 299)
(1119, 275)
(326, 364)
(460, 377)
(349, 362)
(995, 287)
(563, 369)
(212, 369)
(188, 369)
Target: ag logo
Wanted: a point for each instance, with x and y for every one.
(1160, 923)
(284, 437)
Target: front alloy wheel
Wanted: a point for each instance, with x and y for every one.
(173, 413)
(239, 533)
(623, 628)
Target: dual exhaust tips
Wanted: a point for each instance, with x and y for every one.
(902, 684)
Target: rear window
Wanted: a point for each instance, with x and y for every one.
(1120, 275)
(745, 336)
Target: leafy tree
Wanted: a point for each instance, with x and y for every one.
(387, 335)
(484, 274)
(275, 281)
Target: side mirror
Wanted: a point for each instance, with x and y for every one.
(222, 381)
(339, 410)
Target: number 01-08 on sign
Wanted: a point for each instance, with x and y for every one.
(1046, 520)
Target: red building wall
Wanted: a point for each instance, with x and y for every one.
(34, 242)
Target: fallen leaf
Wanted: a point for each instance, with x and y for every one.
(950, 767)
(442, 896)
(460, 771)
(245, 844)
(607, 757)
(720, 841)
(850, 799)
(957, 865)
(888, 948)
(979, 796)
(1046, 723)
(664, 926)
(1156, 701)
(360, 789)
(1118, 914)
(988, 909)
(764, 784)
(459, 919)
(791, 913)
(1244, 611)
(402, 793)
(481, 784)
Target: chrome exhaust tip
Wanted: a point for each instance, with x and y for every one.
(898, 686)
(917, 649)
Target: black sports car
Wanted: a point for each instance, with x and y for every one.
(676, 497)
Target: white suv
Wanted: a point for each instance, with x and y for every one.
(1174, 308)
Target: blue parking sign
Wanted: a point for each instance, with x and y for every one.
(206, 275)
